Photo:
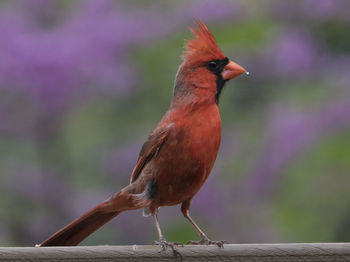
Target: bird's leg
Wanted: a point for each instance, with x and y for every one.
(204, 239)
(162, 242)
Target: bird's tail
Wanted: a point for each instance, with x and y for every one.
(82, 227)
(75, 232)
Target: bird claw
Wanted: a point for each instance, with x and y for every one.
(207, 241)
(179, 244)
(164, 244)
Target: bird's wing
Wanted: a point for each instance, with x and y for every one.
(149, 149)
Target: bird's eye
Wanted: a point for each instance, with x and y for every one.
(212, 64)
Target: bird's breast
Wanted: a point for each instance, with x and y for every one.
(188, 155)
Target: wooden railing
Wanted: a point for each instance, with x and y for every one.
(237, 252)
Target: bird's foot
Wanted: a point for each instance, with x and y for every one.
(173, 245)
(206, 241)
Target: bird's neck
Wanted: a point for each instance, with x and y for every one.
(187, 93)
(193, 98)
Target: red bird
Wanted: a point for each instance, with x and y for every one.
(179, 154)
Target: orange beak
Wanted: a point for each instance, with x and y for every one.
(231, 70)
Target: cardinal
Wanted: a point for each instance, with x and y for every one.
(179, 154)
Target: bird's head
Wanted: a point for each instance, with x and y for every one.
(205, 69)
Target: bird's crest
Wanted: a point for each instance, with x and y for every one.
(203, 46)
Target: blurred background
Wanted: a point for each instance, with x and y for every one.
(84, 82)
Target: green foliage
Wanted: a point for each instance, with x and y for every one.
(312, 200)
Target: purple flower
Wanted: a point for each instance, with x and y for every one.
(30, 184)
(289, 133)
(209, 10)
(293, 54)
(57, 58)
(118, 163)
(320, 10)
(213, 195)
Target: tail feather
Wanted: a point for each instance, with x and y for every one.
(81, 228)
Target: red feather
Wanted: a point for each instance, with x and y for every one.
(203, 46)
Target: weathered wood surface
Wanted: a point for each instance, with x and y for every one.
(249, 252)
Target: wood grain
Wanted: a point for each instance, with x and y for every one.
(246, 252)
